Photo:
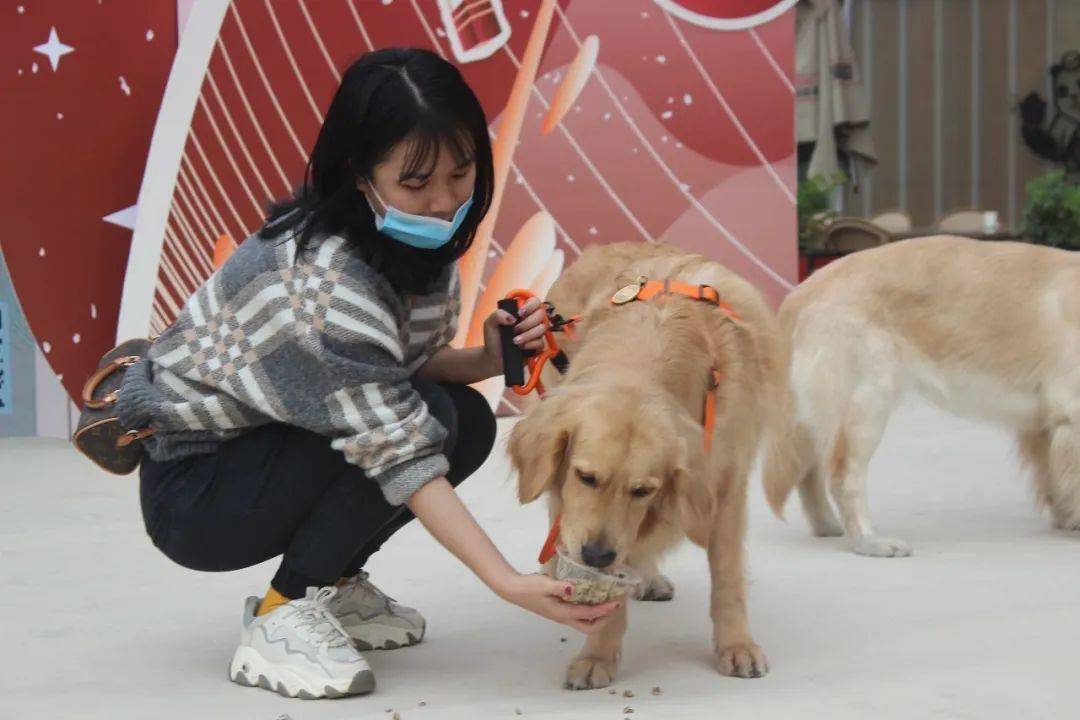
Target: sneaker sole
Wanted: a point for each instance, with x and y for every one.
(372, 636)
(250, 669)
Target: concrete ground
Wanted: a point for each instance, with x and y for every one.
(982, 622)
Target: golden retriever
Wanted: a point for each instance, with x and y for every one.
(989, 330)
(618, 443)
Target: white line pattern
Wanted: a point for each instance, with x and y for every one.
(228, 154)
(772, 61)
(292, 62)
(712, 220)
(254, 121)
(319, 40)
(236, 133)
(359, 24)
(730, 112)
(585, 158)
(217, 183)
(265, 81)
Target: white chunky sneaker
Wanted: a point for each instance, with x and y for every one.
(372, 619)
(299, 650)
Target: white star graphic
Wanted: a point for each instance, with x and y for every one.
(124, 218)
(54, 49)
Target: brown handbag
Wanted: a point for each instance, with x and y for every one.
(99, 435)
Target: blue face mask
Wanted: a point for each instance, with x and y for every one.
(419, 231)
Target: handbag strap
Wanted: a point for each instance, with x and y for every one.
(98, 377)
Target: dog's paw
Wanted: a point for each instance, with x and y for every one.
(875, 546)
(1066, 522)
(746, 661)
(588, 673)
(656, 589)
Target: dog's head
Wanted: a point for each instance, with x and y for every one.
(616, 462)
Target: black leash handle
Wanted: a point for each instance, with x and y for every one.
(512, 356)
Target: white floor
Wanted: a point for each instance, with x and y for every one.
(982, 622)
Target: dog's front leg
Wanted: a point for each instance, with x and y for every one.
(736, 652)
(596, 664)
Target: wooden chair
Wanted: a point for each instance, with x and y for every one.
(851, 234)
(840, 237)
(893, 221)
(963, 220)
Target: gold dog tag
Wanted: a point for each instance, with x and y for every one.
(629, 292)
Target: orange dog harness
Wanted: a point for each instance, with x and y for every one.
(644, 289)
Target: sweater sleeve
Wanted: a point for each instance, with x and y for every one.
(373, 412)
(385, 428)
(445, 326)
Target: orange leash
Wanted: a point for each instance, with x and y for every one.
(548, 551)
(551, 349)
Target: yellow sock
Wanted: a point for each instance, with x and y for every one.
(271, 600)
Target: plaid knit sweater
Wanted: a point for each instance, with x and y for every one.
(321, 342)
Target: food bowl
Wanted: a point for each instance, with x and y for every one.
(592, 586)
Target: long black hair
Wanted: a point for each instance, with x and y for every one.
(385, 97)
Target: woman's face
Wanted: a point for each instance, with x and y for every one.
(436, 191)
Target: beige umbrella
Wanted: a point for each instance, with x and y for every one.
(831, 108)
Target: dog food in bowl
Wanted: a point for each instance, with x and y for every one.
(591, 586)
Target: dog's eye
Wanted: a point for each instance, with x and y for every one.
(587, 480)
(641, 492)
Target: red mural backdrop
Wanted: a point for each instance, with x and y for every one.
(81, 82)
(641, 120)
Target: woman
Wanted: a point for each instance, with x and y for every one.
(306, 402)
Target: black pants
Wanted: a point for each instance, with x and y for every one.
(282, 490)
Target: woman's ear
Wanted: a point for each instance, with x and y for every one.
(538, 447)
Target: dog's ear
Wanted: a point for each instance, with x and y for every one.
(691, 497)
(538, 447)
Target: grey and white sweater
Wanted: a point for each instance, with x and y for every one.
(321, 342)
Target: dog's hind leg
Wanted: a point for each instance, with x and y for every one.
(1064, 457)
(1053, 453)
(814, 494)
(1034, 445)
(871, 402)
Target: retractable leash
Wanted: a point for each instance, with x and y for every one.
(515, 359)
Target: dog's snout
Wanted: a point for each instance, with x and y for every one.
(597, 554)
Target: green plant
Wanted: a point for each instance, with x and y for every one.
(814, 201)
(1052, 211)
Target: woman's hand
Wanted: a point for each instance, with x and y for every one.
(528, 332)
(547, 598)
(441, 511)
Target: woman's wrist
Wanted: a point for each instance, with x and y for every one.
(502, 581)
(492, 363)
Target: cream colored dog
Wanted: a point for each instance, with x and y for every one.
(618, 444)
(983, 329)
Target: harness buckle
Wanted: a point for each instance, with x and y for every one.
(709, 294)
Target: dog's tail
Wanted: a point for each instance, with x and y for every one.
(789, 454)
